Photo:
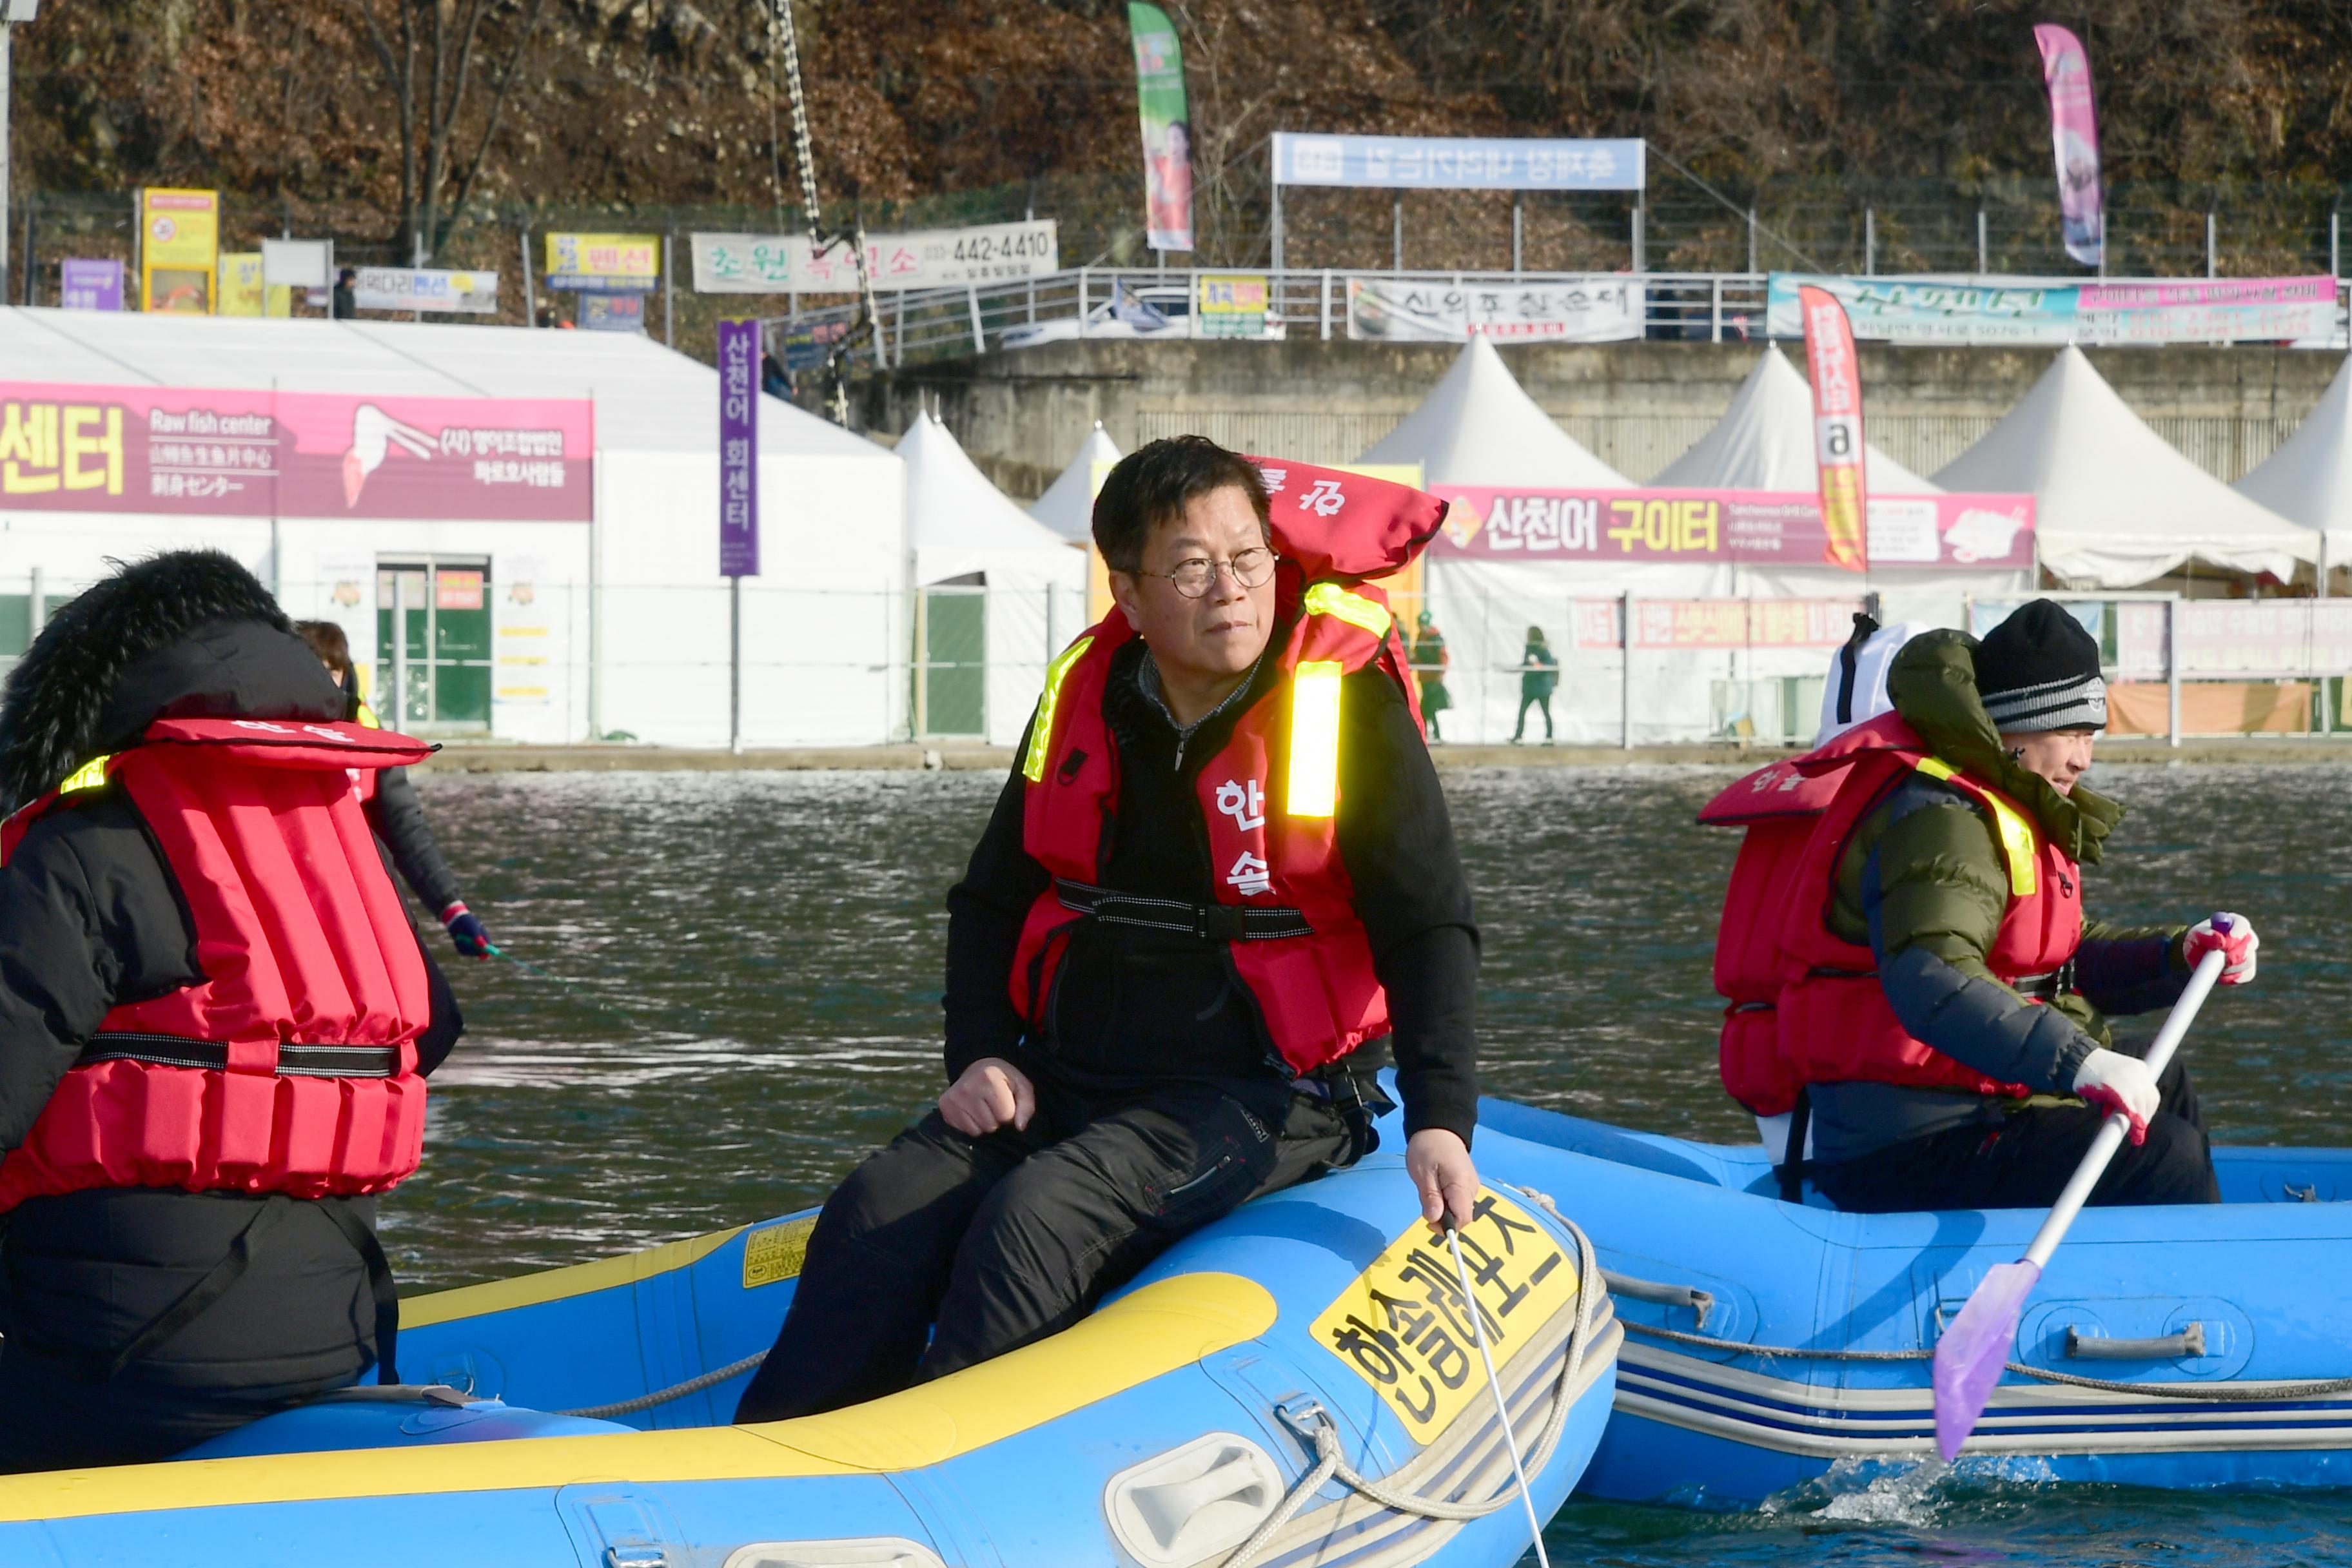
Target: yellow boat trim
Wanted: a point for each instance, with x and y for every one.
(1330, 599)
(2019, 845)
(556, 1284)
(1159, 1328)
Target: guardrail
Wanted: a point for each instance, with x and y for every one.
(1118, 302)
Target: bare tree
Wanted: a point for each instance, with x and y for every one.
(448, 35)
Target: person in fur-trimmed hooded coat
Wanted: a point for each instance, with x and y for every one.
(91, 915)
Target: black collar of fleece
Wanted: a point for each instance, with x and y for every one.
(55, 709)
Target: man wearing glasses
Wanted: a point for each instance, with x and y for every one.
(1219, 888)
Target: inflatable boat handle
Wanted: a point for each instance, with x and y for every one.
(2189, 1341)
(1665, 1295)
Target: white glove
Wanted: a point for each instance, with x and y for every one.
(2234, 935)
(2113, 1081)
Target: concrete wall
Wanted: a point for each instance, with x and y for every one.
(1638, 405)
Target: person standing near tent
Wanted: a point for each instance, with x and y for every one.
(1538, 678)
(1942, 1017)
(394, 812)
(1429, 661)
(1186, 921)
(215, 1020)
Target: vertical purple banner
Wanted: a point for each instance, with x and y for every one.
(2075, 139)
(87, 283)
(738, 448)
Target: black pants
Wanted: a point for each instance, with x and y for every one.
(82, 1276)
(1004, 1239)
(1527, 702)
(2023, 1161)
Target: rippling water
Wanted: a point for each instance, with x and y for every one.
(735, 989)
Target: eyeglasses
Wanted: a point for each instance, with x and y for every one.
(1252, 569)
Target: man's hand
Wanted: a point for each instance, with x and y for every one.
(464, 928)
(1439, 1162)
(991, 1092)
(2234, 936)
(2115, 1082)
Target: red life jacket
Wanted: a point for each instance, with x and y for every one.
(1269, 797)
(292, 1066)
(1830, 1019)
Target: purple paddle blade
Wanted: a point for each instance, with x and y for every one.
(1971, 1355)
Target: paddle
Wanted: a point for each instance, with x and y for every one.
(1973, 1352)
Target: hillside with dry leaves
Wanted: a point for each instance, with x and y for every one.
(384, 117)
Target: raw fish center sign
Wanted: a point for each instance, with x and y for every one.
(237, 453)
(1750, 527)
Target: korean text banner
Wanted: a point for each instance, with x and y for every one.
(2074, 140)
(1603, 308)
(1231, 305)
(1167, 129)
(738, 448)
(1935, 311)
(1752, 528)
(923, 258)
(425, 289)
(89, 283)
(192, 453)
(1459, 163)
(1836, 374)
(603, 263)
(1661, 624)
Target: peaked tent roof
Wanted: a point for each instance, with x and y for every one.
(1067, 507)
(1478, 427)
(959, 523)
(2115, 503)
(1765, 442)
(2309, 479)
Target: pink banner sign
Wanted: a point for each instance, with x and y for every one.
(2074, 141)
(237, 453)
(1662, 625)
(1756, 528)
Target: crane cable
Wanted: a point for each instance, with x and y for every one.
(804, 153)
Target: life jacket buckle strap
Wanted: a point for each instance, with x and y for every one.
(2047, 986)
(1208, 923)
(295, 1060)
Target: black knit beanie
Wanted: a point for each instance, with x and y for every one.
(2038, 670)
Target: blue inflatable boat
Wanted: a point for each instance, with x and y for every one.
(1768, 1343)
(1295, 1384)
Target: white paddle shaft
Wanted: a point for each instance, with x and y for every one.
(2110, 1136)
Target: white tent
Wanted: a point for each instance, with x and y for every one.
(965, 533)
(1067, 507)
(1765, 442)
(618, 624)
(1478, 427)
(2309, 479)
(2115, 504)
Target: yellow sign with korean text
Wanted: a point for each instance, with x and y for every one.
(179, 250)
(54, 448)
(621, 257)
(241, 291)
(1405, 1328)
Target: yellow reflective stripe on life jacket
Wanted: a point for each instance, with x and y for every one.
(367, 719)
(91, 774)
(1330, 599)
(1041, 729)
(1314, 737)
(2019, 845)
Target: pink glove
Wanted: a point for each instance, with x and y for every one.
(2113, 1081)
(2234, 936)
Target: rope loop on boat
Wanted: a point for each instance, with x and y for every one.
(2219, 1395)
(1332, 1464)
(664, 1395)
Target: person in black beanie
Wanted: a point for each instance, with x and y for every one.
(1974, 1066)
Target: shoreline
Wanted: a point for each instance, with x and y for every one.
(491, 757)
